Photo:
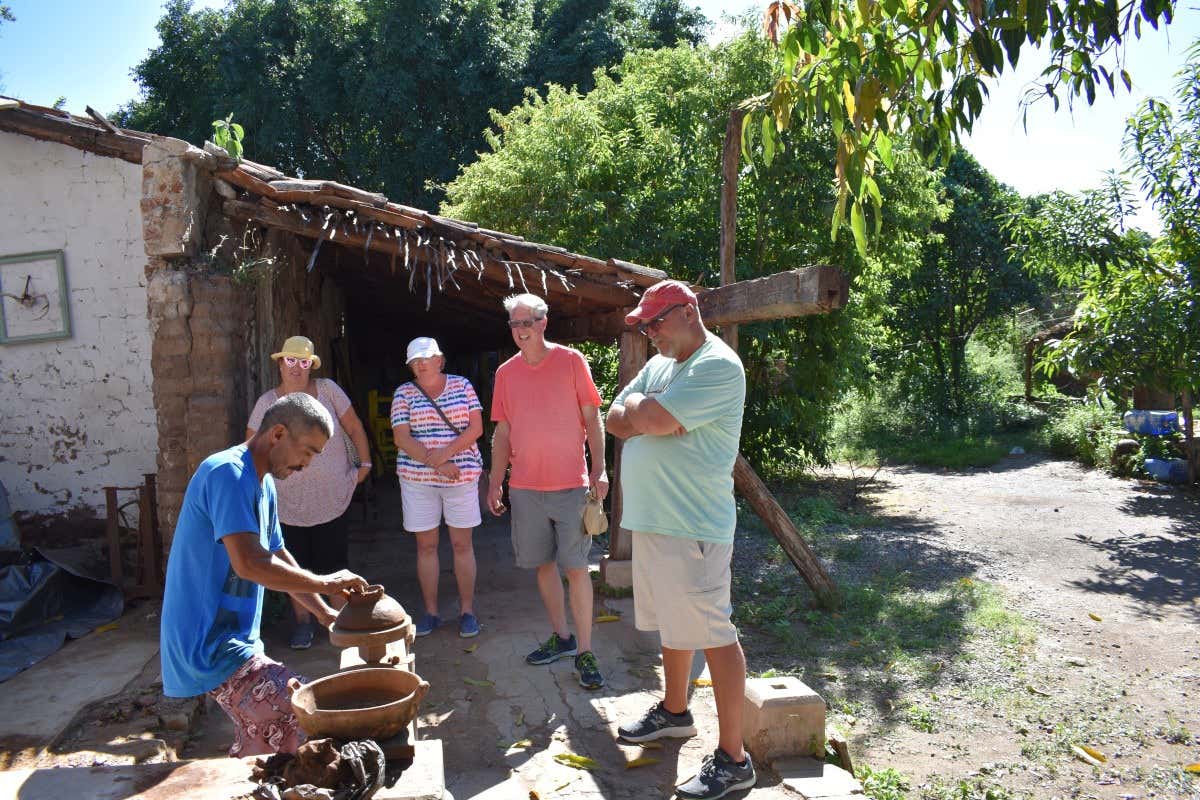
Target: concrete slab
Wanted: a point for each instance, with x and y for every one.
(782, 717)
(194, 780)
(816, 780)
(40, 702)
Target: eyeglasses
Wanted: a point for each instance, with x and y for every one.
(651, 325)
(292, 361)
(524, 323)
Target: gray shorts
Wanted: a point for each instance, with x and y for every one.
(548, 526)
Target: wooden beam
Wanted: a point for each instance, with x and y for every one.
(634, 351)
(730, 158)
(610, 296)
(76, 134)
(797, 293)
(603, 327)
(747, 483)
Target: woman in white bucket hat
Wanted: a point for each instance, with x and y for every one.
(436, 420)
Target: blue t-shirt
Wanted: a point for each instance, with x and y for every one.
(683, 485)
(210, 615)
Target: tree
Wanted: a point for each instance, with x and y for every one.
(637, 164)
(967, 275)
(391, 95)
(872, 69)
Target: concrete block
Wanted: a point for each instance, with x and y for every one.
(782, 717)
(816, 780)
(617, 574)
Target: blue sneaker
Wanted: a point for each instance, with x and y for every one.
(468, 626)
(552, 650)
(426, 624)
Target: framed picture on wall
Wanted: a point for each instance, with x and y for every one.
(34, 304)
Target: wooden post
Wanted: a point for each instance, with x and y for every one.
(750, 486)
(730, 159)
(634, 352)
(113, 529)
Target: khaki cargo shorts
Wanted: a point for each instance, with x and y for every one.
(681, 590)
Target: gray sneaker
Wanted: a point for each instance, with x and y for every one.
(658, 723)
(718, 776)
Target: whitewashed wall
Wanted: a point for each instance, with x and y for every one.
(76, 414)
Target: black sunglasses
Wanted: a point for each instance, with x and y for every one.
(644, 328)
(524, 323)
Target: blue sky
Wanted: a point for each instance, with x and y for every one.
(84, 50)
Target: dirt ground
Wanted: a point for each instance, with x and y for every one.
(1102, 581)
(983, 710)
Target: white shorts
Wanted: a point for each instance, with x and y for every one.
(681, 590)
(425, 506)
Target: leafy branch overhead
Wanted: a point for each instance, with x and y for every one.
(873, 70)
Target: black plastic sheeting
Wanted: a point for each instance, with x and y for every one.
(42, 604)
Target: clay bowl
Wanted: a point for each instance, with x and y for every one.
(367, 703)
(370, 610)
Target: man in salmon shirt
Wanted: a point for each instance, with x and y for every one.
(545, 406)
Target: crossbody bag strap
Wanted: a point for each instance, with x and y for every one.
(437, 408)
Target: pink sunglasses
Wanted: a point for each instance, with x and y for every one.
(292, 361)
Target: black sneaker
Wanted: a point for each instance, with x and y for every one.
(588, 671)
(658, 723)
(718, 776)
(552, 650)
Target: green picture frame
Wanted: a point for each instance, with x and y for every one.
(35, 305)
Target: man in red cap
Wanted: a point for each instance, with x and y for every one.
(681, 419)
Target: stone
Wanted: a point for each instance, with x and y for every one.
(816, 780)
(782, 717)
(617, 574)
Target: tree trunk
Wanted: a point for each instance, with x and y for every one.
(729, 182)
(634, 350)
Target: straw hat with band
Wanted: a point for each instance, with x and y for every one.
(299, 347)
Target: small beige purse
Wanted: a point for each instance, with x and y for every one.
(595, 521)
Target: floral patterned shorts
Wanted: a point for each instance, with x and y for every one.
(256, 699)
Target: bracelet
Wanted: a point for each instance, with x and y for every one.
(365, 464)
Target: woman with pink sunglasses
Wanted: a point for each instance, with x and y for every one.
(313, 502)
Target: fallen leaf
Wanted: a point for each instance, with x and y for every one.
(608, 618)
(701, 682)
(533, 795)
(521, 744)
(472, 648)
(1096, 617)
(1034, 690)
(1193, 768)
(644, 761)
(474, 682)
(112, 626)
(1094, 753)
(854, 643)
(576, 761)
(1085, 757)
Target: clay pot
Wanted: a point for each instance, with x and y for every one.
(370, 610)
(366, 703)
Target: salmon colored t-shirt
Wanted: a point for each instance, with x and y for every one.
(541, 405)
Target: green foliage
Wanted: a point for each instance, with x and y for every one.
(966, 276)
(871, 71)
(882, 784)
(1085, 432)
(389, 95)
(6, 14)
(228, 135)
(898, 419)
(637, 172)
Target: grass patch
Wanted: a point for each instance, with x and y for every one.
(951, 452)
(883, 784)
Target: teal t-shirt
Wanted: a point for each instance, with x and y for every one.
(683, 485)
(210, 615)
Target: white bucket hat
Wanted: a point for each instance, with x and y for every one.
(422, 347)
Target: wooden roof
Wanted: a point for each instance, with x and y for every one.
(429, 252)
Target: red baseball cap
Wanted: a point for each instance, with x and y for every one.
(658, 298)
